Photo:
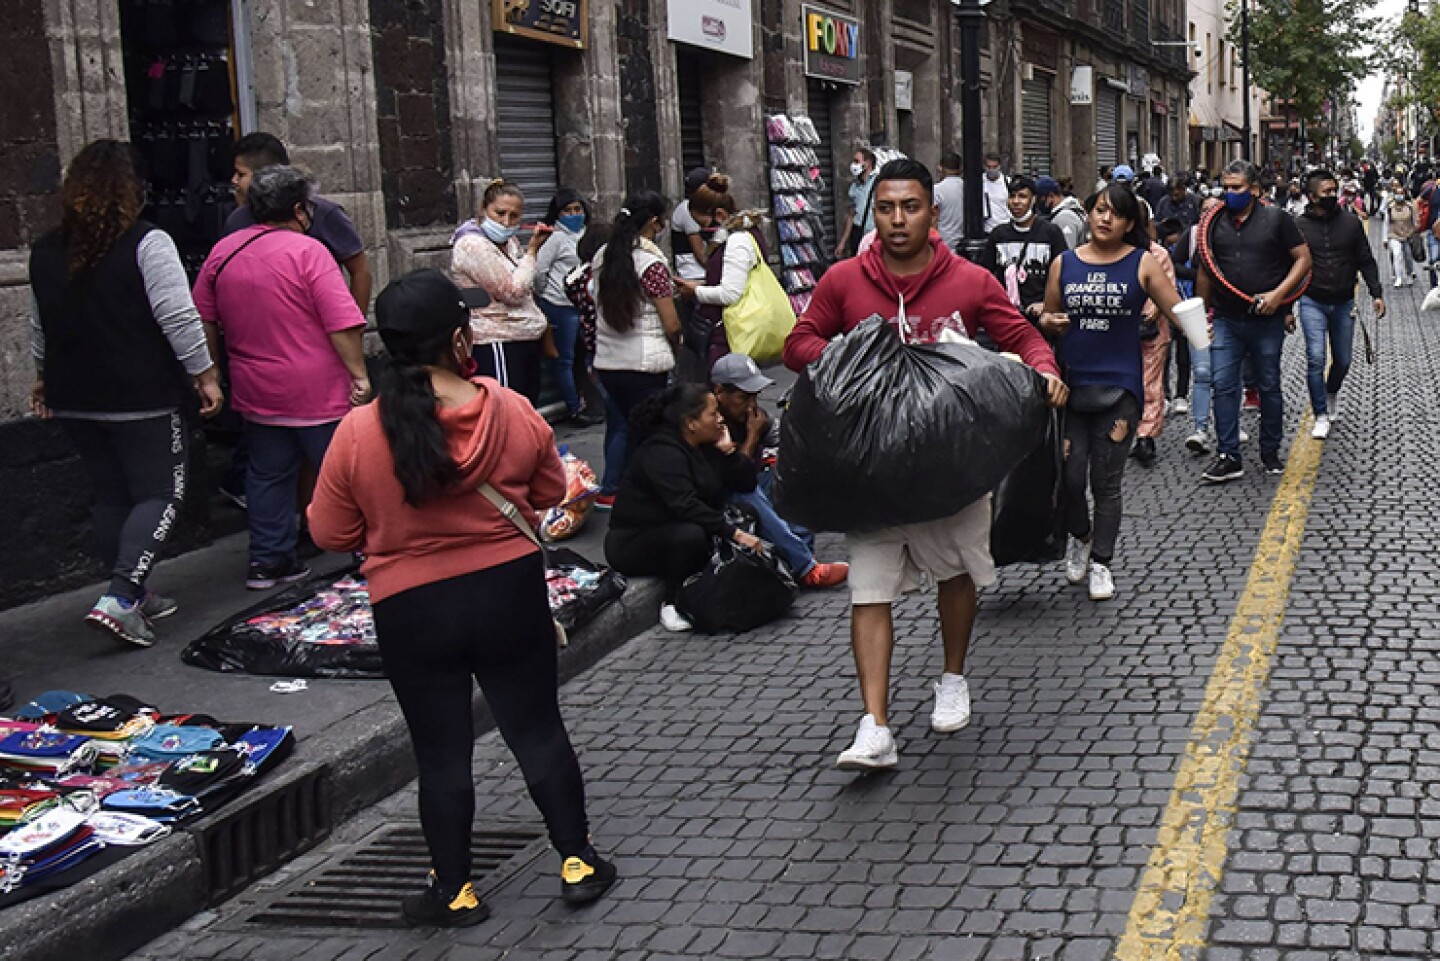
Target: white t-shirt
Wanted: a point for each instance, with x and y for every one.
(682, 222)
(950, 196)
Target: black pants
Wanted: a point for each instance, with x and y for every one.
(138, 468)
(1182, 366)
(672, 551)
(493, 625)
(514, 363)
(1096, 447)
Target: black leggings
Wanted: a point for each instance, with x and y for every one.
(139, 472)
(671, 551)
(493, 625)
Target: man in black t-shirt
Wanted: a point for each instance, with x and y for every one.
(1259, 260)
(1019, 251)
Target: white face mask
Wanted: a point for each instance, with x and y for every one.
(1023, 217)
(857, 169)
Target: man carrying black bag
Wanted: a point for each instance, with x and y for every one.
(913, 280)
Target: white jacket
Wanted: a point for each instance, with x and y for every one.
(644, 347)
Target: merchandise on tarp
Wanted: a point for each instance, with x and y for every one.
(1027, 513)
(72, 803)
(880, 433)
(324, 626)
(565, 519)
(737, 590)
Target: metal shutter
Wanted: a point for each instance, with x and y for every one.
(1107, 127)
(526, 122)
(692, 107)
(1035, 124)
(818, 103)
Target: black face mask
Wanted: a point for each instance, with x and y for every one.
(1328, 205)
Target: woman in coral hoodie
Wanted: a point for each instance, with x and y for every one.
(458, 588)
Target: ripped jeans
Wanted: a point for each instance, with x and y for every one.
(1096, 447)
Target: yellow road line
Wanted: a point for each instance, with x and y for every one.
(1167, 920)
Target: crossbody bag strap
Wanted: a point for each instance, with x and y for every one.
(234, 253)
(511, 512)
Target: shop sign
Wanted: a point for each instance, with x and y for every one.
(832, 45)
(721, 25)
(1160, 107)
(1082, 86)
(554, 21)
(904, 90)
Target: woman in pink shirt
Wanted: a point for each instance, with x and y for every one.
(297, 365)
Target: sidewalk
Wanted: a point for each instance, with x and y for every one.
(352, 745)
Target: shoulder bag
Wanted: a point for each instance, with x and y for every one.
(512, 514)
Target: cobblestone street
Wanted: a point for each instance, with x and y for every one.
(1026, 836)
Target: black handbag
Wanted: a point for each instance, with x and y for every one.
(737, 590)
(1094, 398)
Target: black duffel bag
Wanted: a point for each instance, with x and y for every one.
(737, 590)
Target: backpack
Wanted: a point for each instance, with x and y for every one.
(1424, 209)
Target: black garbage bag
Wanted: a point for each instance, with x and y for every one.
(1028, 512)
(737, 590)
(881, 433)
(579, 590)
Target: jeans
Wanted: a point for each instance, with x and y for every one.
(1320, 321)
(624, 390)
(1261, 339)
(275, 456)
(1402, 262)
(1096, 446)
(794, 544)
(1200, 393)
(565, 325)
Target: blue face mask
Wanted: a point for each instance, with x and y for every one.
(497, 232)
(1238, 203)
(573, 222)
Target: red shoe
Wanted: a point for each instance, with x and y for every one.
(604, 502)
(1252, 398)
(826, 575)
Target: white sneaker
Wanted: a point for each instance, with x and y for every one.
(1398, 282)
(1102, 585)
(1244, 437)
(1180, 406)
(672, 620)
(1332, 406)
(873, 750)
(952, 704)
(1197, 443)
(1077, 561)
(1321, 430)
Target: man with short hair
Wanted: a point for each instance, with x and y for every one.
(1020, 251)
(1063, 210)
(1341, 252)
(950, 200)
(860, 219)
(1178, 202)
(938, 291)
(995, 194)
(737, 382)
(1258, 261)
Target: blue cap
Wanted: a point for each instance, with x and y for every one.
(1123, 173)
(1045, 186)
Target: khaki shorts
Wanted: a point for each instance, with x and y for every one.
(886, 564)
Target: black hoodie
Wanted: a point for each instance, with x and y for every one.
(1340, 251)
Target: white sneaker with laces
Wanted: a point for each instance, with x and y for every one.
(1180, 406)
(1077, 561)
(1197, 443)
(1102, 585)
(672, 620)
(1332, 406)
(1321, 430)
(873, 750)
(952, 704)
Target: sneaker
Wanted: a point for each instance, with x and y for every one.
(1398, 282)
(585, 878)
(1180, 406)
(604, 502)
(585, 418)
(433, 909)
(1252, 398)
(1077, 560)
(826, 575)
(1144, 451)
(1102, 585)
(1332, 406)
(1198, 443)
(155, 606)
(873, 750)
(235, 497)
(262, 577)
(1272, 462)
(672, 620)
(1222, 469)
(1244, 437)
(122, 618)
(1321, 430)
(952, 704)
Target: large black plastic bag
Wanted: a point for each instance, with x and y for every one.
(1028, 518)
(737, 590)
(881, 433)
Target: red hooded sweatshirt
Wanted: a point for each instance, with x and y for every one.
(360, 506)
(951, 293)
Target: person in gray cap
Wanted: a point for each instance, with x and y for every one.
(1063, 211)
(737, 382)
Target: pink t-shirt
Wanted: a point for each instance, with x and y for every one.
(278, 301)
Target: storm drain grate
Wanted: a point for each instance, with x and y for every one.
(363, 888)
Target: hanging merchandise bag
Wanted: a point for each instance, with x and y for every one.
(565, 519)
(1028, 517)
(880, 433)
(737, 590)
(758, 323)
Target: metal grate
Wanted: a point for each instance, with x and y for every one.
(362, 888)
(240, 846)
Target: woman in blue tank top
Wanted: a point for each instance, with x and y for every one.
(1094, 299)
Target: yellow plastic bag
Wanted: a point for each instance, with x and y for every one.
(758, 323)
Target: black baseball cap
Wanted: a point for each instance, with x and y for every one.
(421, 306)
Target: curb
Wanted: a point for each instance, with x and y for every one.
(107, 916)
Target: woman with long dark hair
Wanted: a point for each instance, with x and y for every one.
(116, 340)
(637, 327)
(1095, 299)
(672, 499)
(488, 255)
(417, 482)
(569, 215)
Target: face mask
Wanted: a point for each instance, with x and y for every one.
(1238, 203)
(719, 236)
(1045, 208)
(1328, 205)
(992, 175)
(1025, 215)
(573, 222)
(857, 169)
(496, 232)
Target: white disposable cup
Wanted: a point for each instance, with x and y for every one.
(1191, 314)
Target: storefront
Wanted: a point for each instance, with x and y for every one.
(1109, 98)
(1037, 123)
(832, 63)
